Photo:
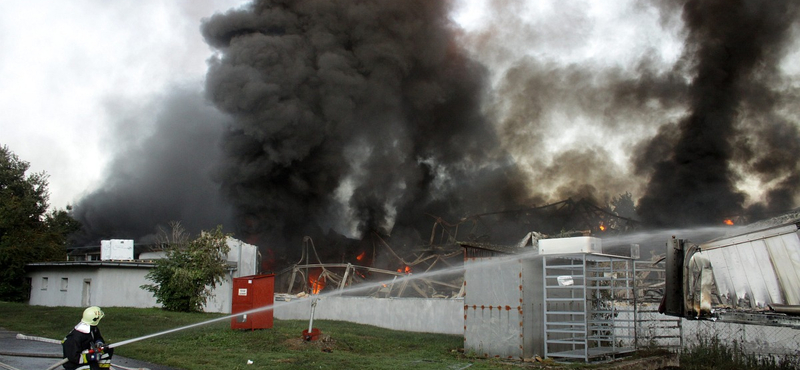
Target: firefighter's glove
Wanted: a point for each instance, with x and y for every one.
(88, 356)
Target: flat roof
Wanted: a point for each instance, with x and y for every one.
(134, 263)
(232, 266)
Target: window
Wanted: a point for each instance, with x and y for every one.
(64, 284)
(44, 283)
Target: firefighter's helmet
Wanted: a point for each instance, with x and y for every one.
(92, 315)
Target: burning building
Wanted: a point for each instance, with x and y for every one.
(355, 119)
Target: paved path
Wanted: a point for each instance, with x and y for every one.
(32, 355)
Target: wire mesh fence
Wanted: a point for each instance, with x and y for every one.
(760, 340)
(655, 330)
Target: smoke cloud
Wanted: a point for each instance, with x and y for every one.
(360, 116)
(733, 121)
(352, 117)
(165, 152)
(687, 106)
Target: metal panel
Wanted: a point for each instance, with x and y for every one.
(493, 331)
(757, 278)
(722, 275)
(785, 256)
(673, 294)
(767, 270)
(736, 270)
(757, 269)
(493, 320)
(488, 282)
(580, 244)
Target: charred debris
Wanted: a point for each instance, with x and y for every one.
(379, 258)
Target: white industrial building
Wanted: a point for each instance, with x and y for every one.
(115, 279)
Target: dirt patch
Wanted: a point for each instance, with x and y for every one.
(325, 344)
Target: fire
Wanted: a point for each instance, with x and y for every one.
(361, 256)
(406, 270)
(728, 222)
(602, 227)
(315, 281)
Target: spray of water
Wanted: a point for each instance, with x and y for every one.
(662, 235)
(478, 263)
(353, 289)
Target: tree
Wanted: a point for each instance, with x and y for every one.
(623, 206)
(184, 280)
(28, 232)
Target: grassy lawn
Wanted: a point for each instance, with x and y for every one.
(215, 346)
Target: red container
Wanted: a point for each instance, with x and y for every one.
(249, 294)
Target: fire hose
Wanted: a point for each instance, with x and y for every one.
(63, 361)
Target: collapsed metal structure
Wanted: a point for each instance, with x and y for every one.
(442, 250)
(311, 275)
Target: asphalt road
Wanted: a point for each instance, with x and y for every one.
(18, 354)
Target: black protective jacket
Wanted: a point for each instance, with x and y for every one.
(76, 342)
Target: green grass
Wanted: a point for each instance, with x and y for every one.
(216, 346)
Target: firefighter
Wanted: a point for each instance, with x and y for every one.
(84, 346)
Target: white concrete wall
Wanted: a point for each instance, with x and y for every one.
(444, 316)
(108, 286)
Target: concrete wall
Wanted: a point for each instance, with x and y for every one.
(79, 286)
(444, 316)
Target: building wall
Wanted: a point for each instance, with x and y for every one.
(107, 287)
(79, 286)
(119, 286)
(443, 316)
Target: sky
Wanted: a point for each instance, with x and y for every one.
(69, 69)
(582, 95)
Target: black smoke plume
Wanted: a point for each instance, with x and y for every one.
(164, 155)
(352, 116)
(735, 48)
(708, 136)
(362, 116)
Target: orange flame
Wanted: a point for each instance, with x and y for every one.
(728, 222)
(406, 270)
(315, 281)
(602, 227)
(361, 256)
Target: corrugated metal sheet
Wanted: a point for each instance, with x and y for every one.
(757, 269)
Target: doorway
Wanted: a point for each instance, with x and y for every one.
(86, 294)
